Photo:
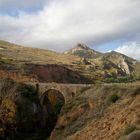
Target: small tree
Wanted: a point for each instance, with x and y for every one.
(113, 98)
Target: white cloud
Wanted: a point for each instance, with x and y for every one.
(131, 49)
(61, 24)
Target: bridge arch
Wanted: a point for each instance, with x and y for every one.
(53, 95)
(51, 101)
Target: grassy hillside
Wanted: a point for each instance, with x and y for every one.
(34, 55)
(87, 63)
(101, 112)
(14, 60)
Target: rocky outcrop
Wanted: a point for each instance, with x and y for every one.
(83, 50)
(84, 61)
(124, 66)
(54, 73)
(23, 115)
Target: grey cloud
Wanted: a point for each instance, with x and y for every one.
(61, 24)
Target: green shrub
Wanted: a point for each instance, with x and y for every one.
(29, 92)
(129, 129)
(113, 98)
(121, 79)
(136, 92)
(111, 80)
(126, 79)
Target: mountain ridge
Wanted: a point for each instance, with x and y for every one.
(83, 50)
(91, 65)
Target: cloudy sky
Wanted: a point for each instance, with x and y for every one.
(60, 24)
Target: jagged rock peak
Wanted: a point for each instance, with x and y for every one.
(78, 47)
(83, 50)
(82, 46)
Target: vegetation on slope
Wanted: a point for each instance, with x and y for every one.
(22, 115)
(92, 65)
(101, 112)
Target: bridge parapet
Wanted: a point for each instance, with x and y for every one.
(68, 90)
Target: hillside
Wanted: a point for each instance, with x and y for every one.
(81, 62)
(100, 113)
(33, 55)
(92, 107)
(17, 62)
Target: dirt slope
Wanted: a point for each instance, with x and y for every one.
(100, 113)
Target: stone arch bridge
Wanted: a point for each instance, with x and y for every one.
(67, 90)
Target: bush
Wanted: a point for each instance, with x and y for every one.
(121, 79)
(29, 92)
(7, 88)
(8, 111)
(129, 129)
(113, 98)
(126, 79)
(111, 80)
(136, 92)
